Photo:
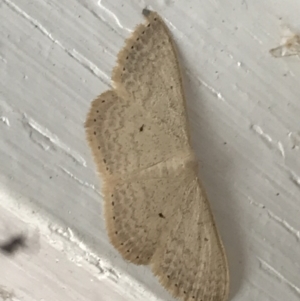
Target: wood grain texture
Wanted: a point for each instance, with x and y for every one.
(243, 107)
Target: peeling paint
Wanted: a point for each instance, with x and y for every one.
(113, 16)
(72, 53)
(5, 120)
(277, 145)
(211, 89)
(295, 139)
(256, 204)
(84, 254)
(48, 140)
(81, 182)
(295, 178)
(285, 225)
(275, 274)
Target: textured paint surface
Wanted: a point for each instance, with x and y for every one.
(243, 107)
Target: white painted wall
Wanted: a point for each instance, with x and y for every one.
(244, 109)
